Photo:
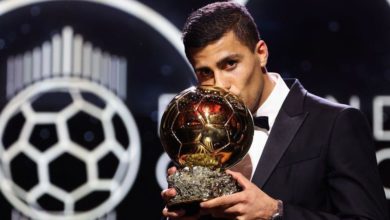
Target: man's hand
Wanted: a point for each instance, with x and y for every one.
(170, 193)
(250, 203)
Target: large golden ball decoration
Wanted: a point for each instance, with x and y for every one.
(206, 126)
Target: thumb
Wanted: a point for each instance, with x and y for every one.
(241, 179)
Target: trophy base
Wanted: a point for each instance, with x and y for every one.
(191, 207)
(197, 184)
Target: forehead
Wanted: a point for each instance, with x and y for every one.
(226, 46)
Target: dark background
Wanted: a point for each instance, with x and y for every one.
(337, 48)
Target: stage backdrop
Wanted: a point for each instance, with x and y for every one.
(83, 85)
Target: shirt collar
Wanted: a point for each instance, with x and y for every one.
(273, 103)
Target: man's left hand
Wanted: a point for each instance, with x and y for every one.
(250, 203)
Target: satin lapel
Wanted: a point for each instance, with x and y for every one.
(277, 143)
(287, 123)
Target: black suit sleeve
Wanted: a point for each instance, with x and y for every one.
(354, 187)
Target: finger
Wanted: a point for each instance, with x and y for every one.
(219, 202)
(167, 194)
(178, 214)
(172, 170)
(225, 201)
(241, 179)
(173, 214)
(233, 210)
(219, 212)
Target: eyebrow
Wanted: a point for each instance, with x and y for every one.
(228, 58)
(203, 68)
(222, 61)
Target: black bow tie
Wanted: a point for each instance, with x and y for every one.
(262, 122)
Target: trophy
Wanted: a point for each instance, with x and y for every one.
(204, 130)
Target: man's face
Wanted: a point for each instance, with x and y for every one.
(229, 64)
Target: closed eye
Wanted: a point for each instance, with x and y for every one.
(204, 74)
(229, 65)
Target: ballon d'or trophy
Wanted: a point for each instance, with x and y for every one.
(204, 130)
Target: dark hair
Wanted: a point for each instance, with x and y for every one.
(211, 22)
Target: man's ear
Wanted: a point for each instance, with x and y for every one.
(262, 52)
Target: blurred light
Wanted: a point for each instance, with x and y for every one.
(89, 136)
(243, 2)
(166, 70)
(44, 134)
(334, 26)
(35, 11)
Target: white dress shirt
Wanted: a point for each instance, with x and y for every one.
(269, 108)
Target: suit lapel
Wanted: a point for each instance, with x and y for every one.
(287, 123)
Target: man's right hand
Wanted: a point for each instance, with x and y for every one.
(169, 193)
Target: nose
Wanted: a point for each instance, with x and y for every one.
(221, 81)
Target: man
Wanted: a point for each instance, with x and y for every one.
(316, 160)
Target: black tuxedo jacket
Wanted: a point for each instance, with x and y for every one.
(320, 161)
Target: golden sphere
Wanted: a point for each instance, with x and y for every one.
(206, 126)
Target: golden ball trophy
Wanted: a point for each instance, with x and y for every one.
(204, 130)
